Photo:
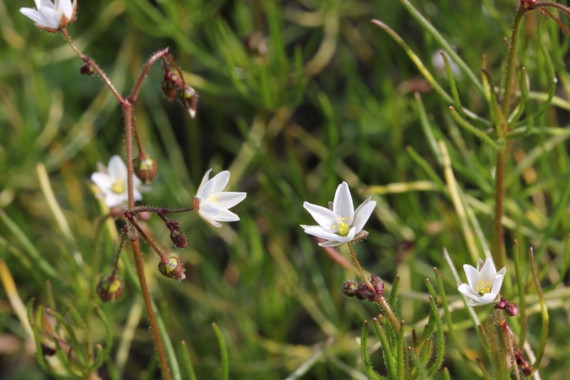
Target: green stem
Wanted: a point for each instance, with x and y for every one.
(502, 129)
(498, 252)
(357, 264)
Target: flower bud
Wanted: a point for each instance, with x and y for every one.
(109, 288)
(170, 84)
(87, 69)
(511, 309)
(348, 288)
(189, 99)
(172, 269)
(145, 168)
(178, 239)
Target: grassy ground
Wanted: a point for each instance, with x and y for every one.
(334, 98)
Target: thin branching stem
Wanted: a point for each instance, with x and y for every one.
(94, 65)
(128, 114)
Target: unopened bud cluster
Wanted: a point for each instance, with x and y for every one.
(173, 87)
(362, 291)
(176, 235)
(511, 309)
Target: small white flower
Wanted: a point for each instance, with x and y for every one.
(342, 224)
(51, 16)
(484, 283)
(212, 203)
(112, 182)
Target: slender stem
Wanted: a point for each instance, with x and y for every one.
(128, 112)
(117, 256)
(502, 129)
(93, 64)
(511, 63)
(131, 219)
(357, 264)
(498, 252)
(156, 56)
(380, 300)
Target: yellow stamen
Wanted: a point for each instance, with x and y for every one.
(484, 287)
(343, 227)
(212, 199)
(118, 186)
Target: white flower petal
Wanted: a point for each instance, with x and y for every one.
(362, 215)
(112, 199)
(44, 3)
(323, 216)
(467, 291)
(342, 204)
(321, 233)
(497, 283)
(220, 181)
(488, 272)
(117, 168)
(229, 199)
(227, 216)
(472, 276)
(66, 8)
(32, 14)
(204, 181)
(103, 181)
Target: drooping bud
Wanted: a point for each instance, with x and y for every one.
(170, 84)
(145, 168)
(109, 288)
(87, 69)
(172, 269)
(178, 239)
(189, 99)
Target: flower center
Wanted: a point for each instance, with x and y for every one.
(342, 228)
(118, 186)
(212, 199)
(484, 287)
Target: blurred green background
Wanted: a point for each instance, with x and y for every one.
(294, 97)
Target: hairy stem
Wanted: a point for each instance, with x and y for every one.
(94, 65)
(128, 113)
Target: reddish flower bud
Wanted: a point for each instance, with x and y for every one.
(178, 239)
(170, 84)
(145, 168)
(189, 99)
(348, 288)
(172, 269)
(87, 69)
(511, 309)
(109, 288)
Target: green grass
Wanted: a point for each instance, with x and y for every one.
(331, 101)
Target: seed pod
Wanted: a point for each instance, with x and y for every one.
(172, 269)
(109, 288)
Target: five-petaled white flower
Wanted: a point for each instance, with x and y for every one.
(212, 203)
(51, 16)
(342, 224)
(484, 283)
(112, 182)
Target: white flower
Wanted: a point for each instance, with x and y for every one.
(51, 16)
(112, 182)
(212, 203)
(484, 283)
(343, 224)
